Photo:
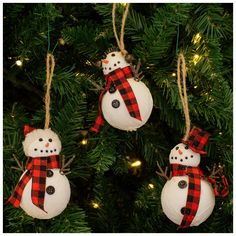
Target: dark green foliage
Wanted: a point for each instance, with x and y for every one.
(101, 172)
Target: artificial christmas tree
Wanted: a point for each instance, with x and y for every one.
(114, 187)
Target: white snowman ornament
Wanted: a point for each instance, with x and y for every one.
(41, 143)
(114, 108)
(175, 192)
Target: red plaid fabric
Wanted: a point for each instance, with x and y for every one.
(197, 139)
(194, 190)
(37, 170)
(119, 78)
(221, 188)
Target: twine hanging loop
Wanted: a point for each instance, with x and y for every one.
(181, 70)
(50, 64)
(120, 42)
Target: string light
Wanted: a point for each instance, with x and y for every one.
(95, 205)
(196, 38)
(195, 86)
(84, 141)
(136, 164)
(19, 63)
(88, 63)
(220, 133)
(173, 74)
(150, 186)
(61, 41)
(196, 59)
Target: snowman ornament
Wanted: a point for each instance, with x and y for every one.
(43, 191)
(187, 199)
(126, 103)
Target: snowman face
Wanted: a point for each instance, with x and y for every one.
(113, 61)
(41, 143)
(182, 154)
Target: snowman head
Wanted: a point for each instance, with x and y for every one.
(182, 154)
(113, 61)
(41, 143)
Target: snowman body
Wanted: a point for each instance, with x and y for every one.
(113, 107)
(39, 143)
(175, 191)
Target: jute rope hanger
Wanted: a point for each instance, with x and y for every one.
(50, 64)
(120, 42)
(183, 92)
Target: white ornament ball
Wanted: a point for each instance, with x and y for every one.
(41, 143)
(114, 109)
(54, 204)
(174, 197)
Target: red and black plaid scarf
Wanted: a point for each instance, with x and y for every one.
(194, 190)
(119, 78)
(37, 170)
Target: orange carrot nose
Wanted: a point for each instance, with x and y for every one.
(47, 144)
(180, 152)
(105, 61)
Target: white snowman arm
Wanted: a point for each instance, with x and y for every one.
(163, 173)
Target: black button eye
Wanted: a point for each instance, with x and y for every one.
(40, 140)
(118, 62)
(191, 156)
(186, 147)
(113, 54)
(172, 158)
(50, 140)
(177, 148)
(186, 158)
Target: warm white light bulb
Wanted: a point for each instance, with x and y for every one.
(95, 205)
(84, 142)
(136, 164)
(173, 74)
(151, 186)
(197, 38)
(19, 63)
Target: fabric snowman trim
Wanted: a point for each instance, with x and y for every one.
(37, 170)
(119, 78)
(197, 139)
(194, 190)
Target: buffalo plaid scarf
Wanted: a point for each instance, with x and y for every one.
(119, 78)
(37, 170)
(194, 190)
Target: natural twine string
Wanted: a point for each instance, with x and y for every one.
(50, 64)
(120, 42)
(183, 92)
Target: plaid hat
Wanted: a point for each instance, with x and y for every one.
(197, 139)
(28, 129)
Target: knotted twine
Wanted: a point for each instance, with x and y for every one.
(181, 70)
(120, 42)
(50, 64)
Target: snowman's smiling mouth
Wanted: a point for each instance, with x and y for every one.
(47, 151)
